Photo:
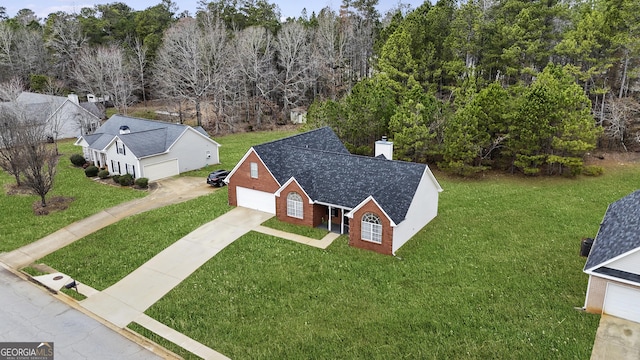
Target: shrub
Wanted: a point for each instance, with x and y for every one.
(142, 182)
(91, 171)
(103, 174)
(126, 180)
(116, 179)
(592, 170)
(77, 160)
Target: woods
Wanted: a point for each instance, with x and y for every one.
(526, 86)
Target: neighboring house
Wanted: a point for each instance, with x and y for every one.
(65, 117)
(147, 148)
(613, 264)
(311, 179)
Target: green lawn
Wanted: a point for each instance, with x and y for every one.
(309, 232)
(19, 225)
(495, 275)
(108, 255)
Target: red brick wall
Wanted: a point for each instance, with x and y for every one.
(307, 209)
(386, 247)
(242, 177)
(319, 213)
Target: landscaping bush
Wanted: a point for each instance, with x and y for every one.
(142, 182)
(126, 180)
(103, 174)
(91, 171)
(116, 179)
(592, 170)
(77, 160)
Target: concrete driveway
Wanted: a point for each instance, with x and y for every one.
(165, 192)
(616, 339)
(122, 302)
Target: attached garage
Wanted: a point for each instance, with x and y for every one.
(256, 200)
(622, 301)
(161, 170)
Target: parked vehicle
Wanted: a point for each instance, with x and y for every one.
(216, 178)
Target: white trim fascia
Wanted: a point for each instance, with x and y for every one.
(609, 277)
(427, 170)
(332, 205)
(363, 202)
(128, 149)
(630, 252)
(244, 158)
(293, 179)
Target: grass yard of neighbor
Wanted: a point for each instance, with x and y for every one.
(19, 225)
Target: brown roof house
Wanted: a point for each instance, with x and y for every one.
(311, 179)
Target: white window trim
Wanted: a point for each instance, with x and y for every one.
(294, 205)
(371, 228)
(254, 170)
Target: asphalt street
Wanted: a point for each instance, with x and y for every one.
(29, 313)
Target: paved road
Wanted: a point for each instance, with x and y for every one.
(29, 313)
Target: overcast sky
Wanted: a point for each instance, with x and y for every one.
(288, 8)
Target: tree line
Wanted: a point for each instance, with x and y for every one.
(469, 85)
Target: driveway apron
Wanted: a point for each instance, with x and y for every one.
(124, 301)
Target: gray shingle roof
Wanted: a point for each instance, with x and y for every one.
(330, 174)
(34, 98)
(619, 232)
(146, 137)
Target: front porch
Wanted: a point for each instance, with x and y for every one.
(335, 220)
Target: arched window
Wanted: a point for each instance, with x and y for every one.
(371, 229)
(294, 205)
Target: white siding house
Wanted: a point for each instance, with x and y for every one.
(147, 148)
(64, 116)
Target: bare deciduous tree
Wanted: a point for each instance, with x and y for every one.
(11, 149)
(65, 41)
(294, 59)
(619, 114)
(11, 89)
(254, 53)
(106, 72)
(39, 161)
(190, 60)
(328, 55)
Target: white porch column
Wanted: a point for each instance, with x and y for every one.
(329, 227)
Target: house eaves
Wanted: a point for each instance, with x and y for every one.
(364, 202)
(246, 155)
(618, 233)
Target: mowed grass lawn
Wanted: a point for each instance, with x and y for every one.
(19, 226)
(496, 275)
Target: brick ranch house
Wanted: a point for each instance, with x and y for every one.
(613, 264)
(311, 179)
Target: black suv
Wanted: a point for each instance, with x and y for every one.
(217, 177)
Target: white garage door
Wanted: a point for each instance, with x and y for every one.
(623, 302)
(257, 200)
(161, 170)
